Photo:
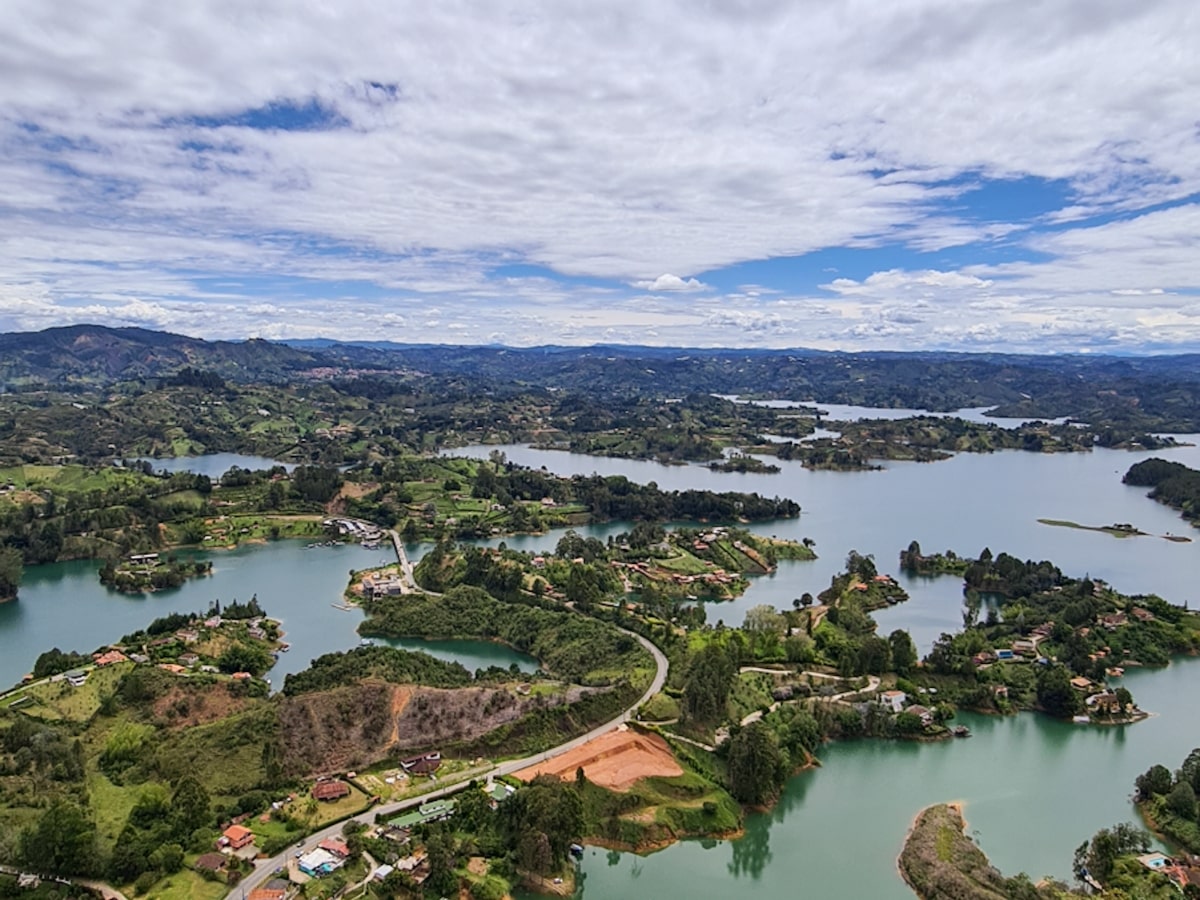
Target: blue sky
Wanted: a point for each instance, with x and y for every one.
(936, 174)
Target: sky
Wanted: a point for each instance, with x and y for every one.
(857, 175)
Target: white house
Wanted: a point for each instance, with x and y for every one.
(893, 700)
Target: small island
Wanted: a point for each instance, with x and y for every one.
(147, 572)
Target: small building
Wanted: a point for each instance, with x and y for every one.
(275, 889)
(923, 713)
(173, 668)
(210, 862)
(1104, 702)
(382, 872)
(237, 836)
(212, 622)
(336, 846)
(893, 700)
(188, 635)
(1004, 653)
(319, 862)
(426, 764)
(110, 658)
(1025, 647)
(330, 790)
(77, 677)
(1142, 615)
(241, 676)
(1113, 621)
(1081, 684)
(189, 659)
(1000, 691)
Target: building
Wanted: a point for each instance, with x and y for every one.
(382, 872)
(336, 846)
(923, 713)
(235, 837)
(275, 889)
(426, 764)
(77, 677)
(1081, 684)
(1003, 654)
(319, 862)
(110, 658)
(893, 700)
(210, 862)
(330, 790)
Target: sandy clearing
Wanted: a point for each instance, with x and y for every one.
(614, 760)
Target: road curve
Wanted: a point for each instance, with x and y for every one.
(265, 869)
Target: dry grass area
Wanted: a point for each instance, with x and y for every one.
(615, 760)
(181, 707)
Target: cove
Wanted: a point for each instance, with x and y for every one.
(64, 605)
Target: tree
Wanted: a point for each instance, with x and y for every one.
(190, 808)
(708, 683)
(1182, 801)
(1054, 691)
(63, 842)
(1190, 770)
(1155, 780)
(904, 652)
(757, 767)
(10, 572)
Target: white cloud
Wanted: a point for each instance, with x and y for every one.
(668, 283)
(614, 142)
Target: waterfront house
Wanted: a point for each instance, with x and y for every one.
(330, 790)
(923, 713)
(1104, 703)
(893, 700)
(235, 837)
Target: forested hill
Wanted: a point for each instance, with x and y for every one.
(1114, 390)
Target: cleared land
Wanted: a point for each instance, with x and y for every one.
(615, 760)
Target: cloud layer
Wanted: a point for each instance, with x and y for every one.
(287, 169)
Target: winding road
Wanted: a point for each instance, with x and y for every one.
(265, 869)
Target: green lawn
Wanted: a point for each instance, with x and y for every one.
(185, 885)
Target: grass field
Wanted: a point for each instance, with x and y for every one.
(58, 700)
(184, 885)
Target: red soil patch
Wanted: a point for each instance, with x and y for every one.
(614, 760)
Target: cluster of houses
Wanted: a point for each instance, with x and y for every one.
(382, 584)
(646, 570)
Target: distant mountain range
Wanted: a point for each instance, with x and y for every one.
(90, 355)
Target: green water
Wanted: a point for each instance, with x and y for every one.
(64, 605)
(1034, 788)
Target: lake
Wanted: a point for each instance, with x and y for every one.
(1034, 788)
(64, 605)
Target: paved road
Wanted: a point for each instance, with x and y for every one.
(265, 869)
